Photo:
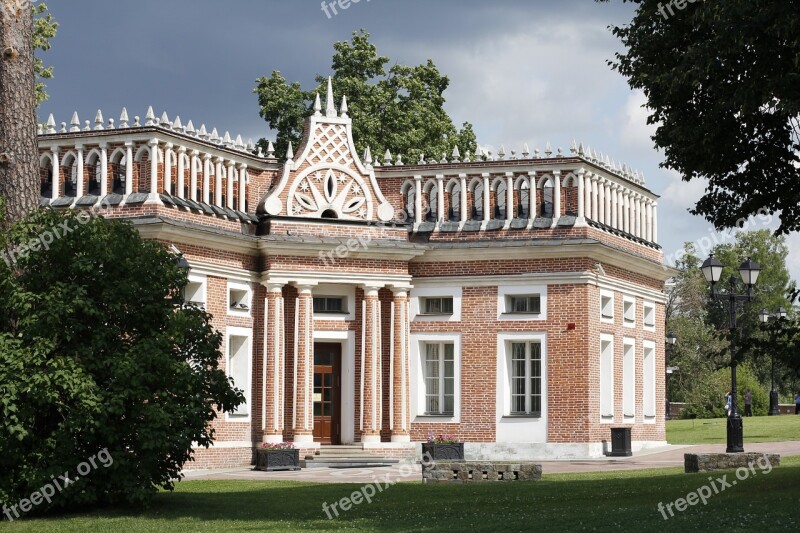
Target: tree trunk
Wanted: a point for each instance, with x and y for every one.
(19, 182)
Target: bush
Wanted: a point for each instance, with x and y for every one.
(99, 360)
(707, 399)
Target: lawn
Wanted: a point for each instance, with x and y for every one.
(626, 500)
(712, 431)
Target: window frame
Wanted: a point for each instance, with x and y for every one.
(442, 378)
(606, 387)
(505, 293)
(417, 295)
(628, 380)
(626, 322)
(649, 381)
(424, 304)
(343, 310)
(528, 394)
(607, 295)
(242, 287)
(651, 306)
(247, 334)
(417, 385)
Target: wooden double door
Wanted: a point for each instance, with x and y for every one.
(327, 392)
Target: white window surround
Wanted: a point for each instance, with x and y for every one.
(628, 380)
(348, 292)
(246, 292)
(629, 311)
(245, 348)
(196, 290)
(607, 306)
(435, 292)
(649, 314)
(606, 375)
(649, 381)
(504, 292)
(417, 385)
(348, 378)
(510, 428)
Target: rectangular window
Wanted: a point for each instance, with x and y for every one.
(239, 296)
(607, 379)
(607, 306)
(649, 318)
(629, 312)
(437, 306)
(239, 370)
(329, 304)
(524, 304)
(649, 382)
(629, 380)
(195, 292)
(439, 377)
(526, 378)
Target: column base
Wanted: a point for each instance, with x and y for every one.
(153, 199)
(401, 437)
(304, 439)
(273, 438)
(370, 439)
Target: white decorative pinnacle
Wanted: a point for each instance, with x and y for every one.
(123, 118)
(150, 117)
(548, 150)
(501, 153)
(290, 152)
(270, 150)
(387, 158)
(110, 124)
(317, 106)
(456, 156)
(86, 126)
(40, 129)
(190, 128)
(573, 148)
(214, 137)
(239, 142)
(478, 154)
(226, 139)
(165, 123)
(98, 120)
(399, 161)
(344, 109)
(63, 128)
(136, 123)
(330, 107)
(525, 151)
(368, 156)
(177, 125)
(75, 123)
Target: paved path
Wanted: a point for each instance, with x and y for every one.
(667, 456)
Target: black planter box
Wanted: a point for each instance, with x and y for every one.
(620, 442)
(443, 452)
(272, 460)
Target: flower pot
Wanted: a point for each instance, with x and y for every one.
(272, 460)
(443, 452)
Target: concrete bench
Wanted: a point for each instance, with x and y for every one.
(480, 471)
(709, 462)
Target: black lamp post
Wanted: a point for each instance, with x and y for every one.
(670, 340)
(183, 264)
(749, 271)
(766, 316)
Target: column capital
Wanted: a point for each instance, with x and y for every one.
(304, 289)
(273, 287)
(218, 160)
(169, 146)
(371, 291)
(400, 292)
(241, 166)
(104, 145)
(230, 164)
(440, 177)
(417, 178)
(181, 149)
(594, 176)
(556, 173)
(152, 142)
(129, 144)
(79, 146)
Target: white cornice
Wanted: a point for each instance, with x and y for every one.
(313, 278)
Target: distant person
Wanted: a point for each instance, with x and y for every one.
(797, 404)
(729, 403)
(748, 403)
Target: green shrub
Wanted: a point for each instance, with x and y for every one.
(707, 399)
(97, 353)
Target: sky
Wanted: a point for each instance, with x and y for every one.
(521, 71)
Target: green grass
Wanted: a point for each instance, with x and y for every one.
(713, 431)
(617, 500)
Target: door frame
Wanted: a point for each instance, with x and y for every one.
(336, 416)
(347, 338)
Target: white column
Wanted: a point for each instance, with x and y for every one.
(440, 198)
(218, 182)
(128, 168)
(207, 178)
(607, 187)
(532, 207)
(465, 209)
(181, 171)
(56, 174)
(487, 205)
(620, 207)
(417, 199)
(103, 169)
(79, 149)
(655, 222)
(581, 194)
(153, 166)
(242, 187)
(510, 205)
(614, 210)
(601, 201)
(168, 168)
(556, 197)
(626, 211)
(594, 197)
(637, 218)
(229, 193)
(193, 175)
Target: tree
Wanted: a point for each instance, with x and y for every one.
(722, 82)
(19, 189)
(44, 29)
(400, 110)
(98, 353)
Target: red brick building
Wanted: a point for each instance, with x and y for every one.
(514, 301)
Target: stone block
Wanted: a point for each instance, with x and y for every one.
(709, 462)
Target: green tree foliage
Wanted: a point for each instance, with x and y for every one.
(400, 109)
(721, 81)
(97, 352)
(707, 398)
(44, 29)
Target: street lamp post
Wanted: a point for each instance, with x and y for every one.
(670, 340)
(766, 316)
(749, 271)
